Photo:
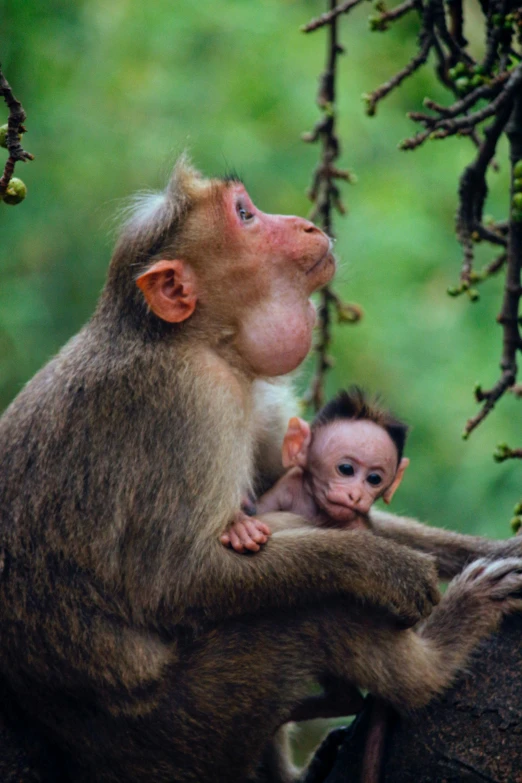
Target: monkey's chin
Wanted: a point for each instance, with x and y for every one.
(342, 515)
(323, 271)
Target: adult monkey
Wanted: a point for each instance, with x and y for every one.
(140, 645)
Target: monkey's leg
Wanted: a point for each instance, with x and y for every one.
(453, 551)
(220, 704)
(408, 668)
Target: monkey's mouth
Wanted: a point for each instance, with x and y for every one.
(327, 259)
(340, 511)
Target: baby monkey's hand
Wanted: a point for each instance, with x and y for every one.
(245, 533)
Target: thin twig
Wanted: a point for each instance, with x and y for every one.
(330, 16)
(384, 19)
(415, 63)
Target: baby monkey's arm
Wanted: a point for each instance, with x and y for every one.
(246, 533)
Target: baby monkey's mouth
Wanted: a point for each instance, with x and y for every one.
(340, 511)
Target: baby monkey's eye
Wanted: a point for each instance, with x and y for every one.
(345, 469)
(374, 479)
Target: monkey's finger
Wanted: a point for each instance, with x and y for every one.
(256, 533)
(240, 528)
(248, 542)
(225, 539)
(235, 541)
(263, 527)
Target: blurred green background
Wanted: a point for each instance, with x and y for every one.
(115, 90)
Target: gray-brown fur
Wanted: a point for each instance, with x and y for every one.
(139, 644)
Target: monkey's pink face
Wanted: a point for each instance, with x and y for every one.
(282, 260)
(350, 465)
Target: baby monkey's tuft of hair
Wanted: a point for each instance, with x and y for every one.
(355, 404)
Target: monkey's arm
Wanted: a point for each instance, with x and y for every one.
(245, 533)
(452, 551)
(280, 497)
(303, 565)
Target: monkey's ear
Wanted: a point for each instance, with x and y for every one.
(390, 492)
(169, 288)
(298, 437)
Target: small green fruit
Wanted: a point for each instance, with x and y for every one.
(16, 191)
(477, 81)
(516, 215)
(370, 107)
(462, 84)
(460, 68)
(517, 200)
(377, 23)
(517, 169)
(473, 295)
(516, 524)
(502, 452)
(517, 184)
(3, 136)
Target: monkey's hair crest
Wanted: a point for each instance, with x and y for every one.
(152, 217)
(354, 404)
(151, 224)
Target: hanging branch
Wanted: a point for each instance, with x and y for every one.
(509, 314)
(325, 194)
(486, 106)
(15, 128)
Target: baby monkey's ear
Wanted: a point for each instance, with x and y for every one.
(390, 492)
(296, 442)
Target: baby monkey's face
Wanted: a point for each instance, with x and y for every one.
(351, 464)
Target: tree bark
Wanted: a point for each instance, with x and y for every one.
(470, 735)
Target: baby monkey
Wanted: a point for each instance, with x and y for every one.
(349, 457)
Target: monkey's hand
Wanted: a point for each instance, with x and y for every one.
(494, 585)
(245, 533)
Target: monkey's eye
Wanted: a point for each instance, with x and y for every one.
(374, 479)
(345, 469)
(244, 214)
